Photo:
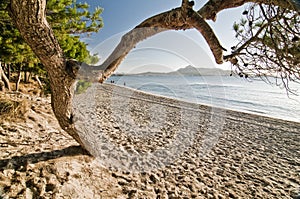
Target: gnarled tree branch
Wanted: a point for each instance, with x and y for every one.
(200, 24)
(274, 48)
(177, 19)
(29, 17)
(213, 7)
(169, 20)
(244, 45)
(180, 18)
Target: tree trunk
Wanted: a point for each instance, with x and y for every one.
(19, 79)
(39, 82)
(40, 85)
(5, 80)
(8, 71)
(26, 76)
(29, 17)
(2, 85)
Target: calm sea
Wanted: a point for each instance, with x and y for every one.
(252, 96)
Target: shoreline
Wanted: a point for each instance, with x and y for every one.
(251, 156)
(237, 94)
(157, 135)
(251, 114)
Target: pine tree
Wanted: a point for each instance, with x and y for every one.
(69, 21)
(269, 43)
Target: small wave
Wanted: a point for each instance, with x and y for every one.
(208, 85)
(254, 97)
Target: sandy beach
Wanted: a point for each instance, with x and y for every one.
(147, 146)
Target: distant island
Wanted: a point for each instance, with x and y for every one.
(186, 71)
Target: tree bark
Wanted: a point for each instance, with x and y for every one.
(4, 78)
(6, 81)
(213, 7)
(162, 22)
(8, 71)
(19, 79)
(181, 18)
(29, 17)
(2, 85)
(39, 82)
(26, 76)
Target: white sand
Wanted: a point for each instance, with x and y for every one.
(149, 147)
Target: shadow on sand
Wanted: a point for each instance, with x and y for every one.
(18, 161)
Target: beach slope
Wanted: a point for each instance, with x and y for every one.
(155, 147)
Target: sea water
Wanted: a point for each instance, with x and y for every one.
(245, 95)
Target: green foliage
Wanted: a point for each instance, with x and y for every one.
(236, 26)
(12, 47)
(73, 47)
(91, 59)
(268, 44)
(70, 17)
(82, 86)
(67, 18)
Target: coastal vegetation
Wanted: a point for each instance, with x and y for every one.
(109, 141)
(68, 20)
(268, 41)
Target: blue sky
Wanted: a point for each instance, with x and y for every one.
(165, 52)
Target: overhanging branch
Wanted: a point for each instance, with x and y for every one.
(177, 19)
(166, 21)
(200, 24)
(244, 45)
(213, 7)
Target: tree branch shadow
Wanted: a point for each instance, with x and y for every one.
(23, 160)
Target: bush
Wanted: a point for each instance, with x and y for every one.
(11, 109)
(7, 106)
(82, 86)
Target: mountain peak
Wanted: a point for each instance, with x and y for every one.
(189, 66)
(193, 71)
